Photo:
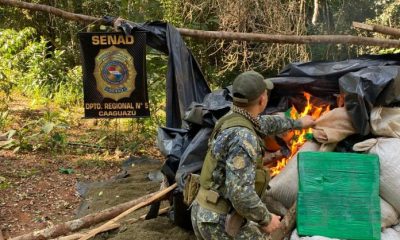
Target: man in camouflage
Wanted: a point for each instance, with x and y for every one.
(236, 150)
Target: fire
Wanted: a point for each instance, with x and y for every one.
(299, 136)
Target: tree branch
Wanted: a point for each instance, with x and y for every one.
(290, 39)
(229, 36)
(53, 10)
(377, 28)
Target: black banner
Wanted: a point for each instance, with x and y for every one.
(114, 75)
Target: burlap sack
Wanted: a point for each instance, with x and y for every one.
(385, 122)
(333, 127)
(388, 150)
(284, 186)
(389, 216)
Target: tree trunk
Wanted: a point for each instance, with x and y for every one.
(378, 28)
(315, 13)
(230, 36)
(145, 203)
(79, 235)
(89, 220)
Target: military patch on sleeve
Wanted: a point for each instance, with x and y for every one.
(250, 148)
(239, 162)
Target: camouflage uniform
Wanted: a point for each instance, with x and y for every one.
(239, 148)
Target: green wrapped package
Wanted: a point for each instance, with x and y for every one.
(338, 195)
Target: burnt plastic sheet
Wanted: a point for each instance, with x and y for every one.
(185, 80)
(369, 87)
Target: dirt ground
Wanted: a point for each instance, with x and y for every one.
(34, 194)
(39, 189)
(38, 195)
(134, 183)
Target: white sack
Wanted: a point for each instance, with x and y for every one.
(389, 216)
(390, 234)
(388, 150)
(397, 227)
(295, 236)
(284, 186)
(385, 122)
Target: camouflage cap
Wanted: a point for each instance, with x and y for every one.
(249, 85)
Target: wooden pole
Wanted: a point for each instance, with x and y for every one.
(151, 200)
(228, 36)
(143, 217)
(79, 235)
(76, 236)
(290, 39)
(377, 28)
(1, 235)
(87, 221)
(53, 10)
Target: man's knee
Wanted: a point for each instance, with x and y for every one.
(212, 231)
(250, 231)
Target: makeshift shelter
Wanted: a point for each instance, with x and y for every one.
(192, 110)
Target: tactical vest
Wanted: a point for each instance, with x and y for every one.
(209, 195)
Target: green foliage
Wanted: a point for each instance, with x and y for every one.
(70, 93)
(66, 170)
(45, 133)
(4, 184)
(26, 173)
(40, 57)
(11, 44)
(336, 17)
(141, 10)
(170, 9)
(36, 70)
(4, 120)
(389, 15)
(45, 70)
(97, 161)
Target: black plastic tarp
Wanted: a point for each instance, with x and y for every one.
(366, 82)
(289, 91)
(337, 69)
(185, 80)
(200, 117)
(369, 87)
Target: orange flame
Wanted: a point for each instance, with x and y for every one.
(299, 135)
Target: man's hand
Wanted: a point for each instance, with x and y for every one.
(307, 121)
(273, 224)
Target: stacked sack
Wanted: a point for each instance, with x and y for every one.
(334, 127)
(385, 122)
